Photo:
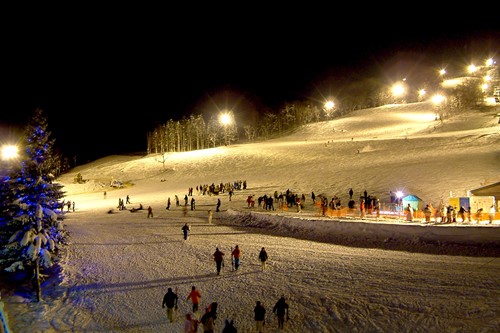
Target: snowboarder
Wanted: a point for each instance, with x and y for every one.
(280, 309)
(195, 296)
(263, 258)
(236, 253)
(170, 301)
(185, 229)
(219, 259)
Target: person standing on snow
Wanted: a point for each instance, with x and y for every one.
(491, 215)
(190, 324)
(263, 258)
(280, 309)
(185, 229)
(194, 296)
(219, 259)
(168, 204)
(259, 316)
(217, 208)
(170, 301)
(236, 253)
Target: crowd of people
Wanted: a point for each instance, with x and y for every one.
(207, 320)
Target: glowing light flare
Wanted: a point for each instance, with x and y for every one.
(437, 99)
(472, 69)
(9, 152)
(329, 105)
(398, 90)
(225, 119)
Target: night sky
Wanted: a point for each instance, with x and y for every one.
(106, 80)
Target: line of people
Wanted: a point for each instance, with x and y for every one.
(236, 255)
(207, 320)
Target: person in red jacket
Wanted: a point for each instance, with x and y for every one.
(236, 256)
(195, 296)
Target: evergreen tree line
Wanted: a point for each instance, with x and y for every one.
(31, 229)
(194, 133)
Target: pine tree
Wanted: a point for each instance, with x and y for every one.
(32, 219)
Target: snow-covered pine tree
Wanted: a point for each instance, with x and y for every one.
(36, 229)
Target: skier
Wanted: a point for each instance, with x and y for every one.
(218, 206)
(219, 259)
(236, 253)
(170, 301)
(168, 204)
(280, 309)
(128, 199)
(263, 258)
(185, 229)
(195, 296)
(150, 212)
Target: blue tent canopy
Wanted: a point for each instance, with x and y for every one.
(415, 202)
